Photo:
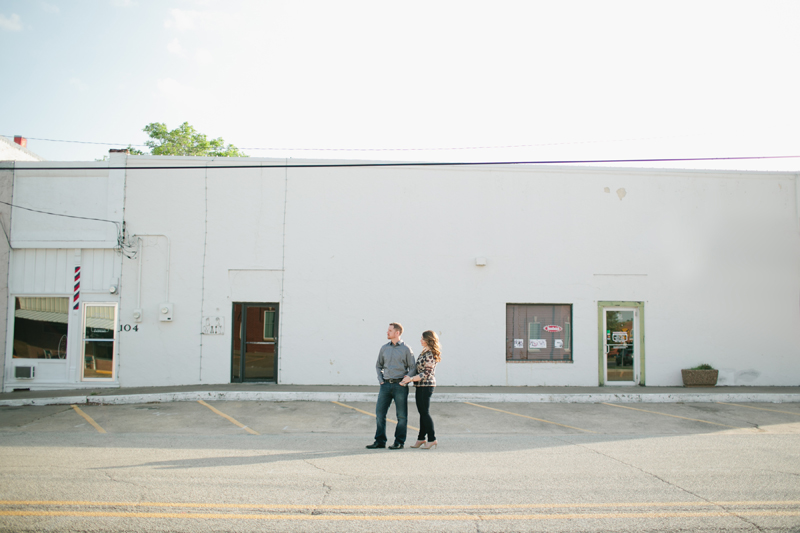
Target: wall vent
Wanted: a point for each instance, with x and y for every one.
(24, 372)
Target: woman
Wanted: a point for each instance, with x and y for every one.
(424, 383)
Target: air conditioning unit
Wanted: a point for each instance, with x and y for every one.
(24, 372)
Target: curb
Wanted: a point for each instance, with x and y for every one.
(371, 397)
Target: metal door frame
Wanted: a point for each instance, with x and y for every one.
(243, 347)
(638, 308)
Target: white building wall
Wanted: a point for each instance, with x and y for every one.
(50, 273)
(70, 217)
(714, 256)
(6, 188)
(79, 195)
(362, 247)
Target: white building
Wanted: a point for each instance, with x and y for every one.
(532, 275)
(15, 150)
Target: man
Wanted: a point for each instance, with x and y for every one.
(395, 362)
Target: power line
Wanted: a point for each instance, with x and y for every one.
(58, 214)
(409, 164)
(431, 149)
(77, 142)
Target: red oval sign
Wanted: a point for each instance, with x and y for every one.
(553, 328)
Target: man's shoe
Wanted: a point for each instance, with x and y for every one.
(396, 446)
(376, 445)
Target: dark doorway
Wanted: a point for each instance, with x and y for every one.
(255, 342)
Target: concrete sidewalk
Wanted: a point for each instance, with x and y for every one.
(270, 392)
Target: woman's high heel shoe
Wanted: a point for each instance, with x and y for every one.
(418, 444)
(431, 445)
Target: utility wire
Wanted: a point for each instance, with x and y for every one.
(77, 142)
(433, 149)
(120, 234)
(18, 168)
(58, 214)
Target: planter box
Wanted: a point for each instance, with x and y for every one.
(699, 378)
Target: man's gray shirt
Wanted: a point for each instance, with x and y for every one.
(395, 361)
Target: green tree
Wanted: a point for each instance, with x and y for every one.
(185, 140)
(134, 151)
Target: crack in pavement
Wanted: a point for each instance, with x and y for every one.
(325, 496)
(666, 482)
(123, 481)
(308, 461)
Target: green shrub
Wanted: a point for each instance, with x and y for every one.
(703, 367)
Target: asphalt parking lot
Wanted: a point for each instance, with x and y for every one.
(356, 418)
(302, 466)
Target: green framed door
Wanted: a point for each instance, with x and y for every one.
(621, 358)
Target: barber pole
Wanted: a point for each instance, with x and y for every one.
(77, 292)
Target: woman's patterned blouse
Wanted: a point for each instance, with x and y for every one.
(426, 364)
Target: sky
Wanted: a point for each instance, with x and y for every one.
(452, 81)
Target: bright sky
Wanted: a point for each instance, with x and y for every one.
(557, 79)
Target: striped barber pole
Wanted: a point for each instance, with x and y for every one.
(77, 292)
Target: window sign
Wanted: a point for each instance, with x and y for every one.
(539, 332)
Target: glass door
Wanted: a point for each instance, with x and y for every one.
(621, 345)
(99, 341)
(255, 342)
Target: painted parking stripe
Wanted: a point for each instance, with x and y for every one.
(759, 408)
(223, 415)
(409, 426)
(410, 517)
(673, 416)
(88, 419)
(531, 417)
(276, 507)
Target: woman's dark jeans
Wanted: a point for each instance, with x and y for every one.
(423, 398)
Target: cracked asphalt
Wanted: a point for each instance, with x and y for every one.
(302, 466)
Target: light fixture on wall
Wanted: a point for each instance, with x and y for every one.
(480, 261)
(112, 289)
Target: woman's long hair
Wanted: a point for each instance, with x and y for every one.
(432, 340)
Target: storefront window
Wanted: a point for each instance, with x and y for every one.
(40, 328)
(539, 332)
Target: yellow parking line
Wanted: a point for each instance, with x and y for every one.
(531, 417)
(88, 419)
(613, 505)
(223, 415)
(414, 518)
(373, 415)
(760, 408)
(673, 416)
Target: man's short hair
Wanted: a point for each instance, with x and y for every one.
(397, 326)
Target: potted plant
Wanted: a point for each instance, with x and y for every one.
(700, 376)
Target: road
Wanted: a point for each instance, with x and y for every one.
(302, 466)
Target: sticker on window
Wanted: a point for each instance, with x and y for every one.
(534, 344)
(519, 343)
(559, 343)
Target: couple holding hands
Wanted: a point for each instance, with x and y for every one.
(396, 369)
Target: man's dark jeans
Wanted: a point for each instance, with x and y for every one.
(398, 393)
